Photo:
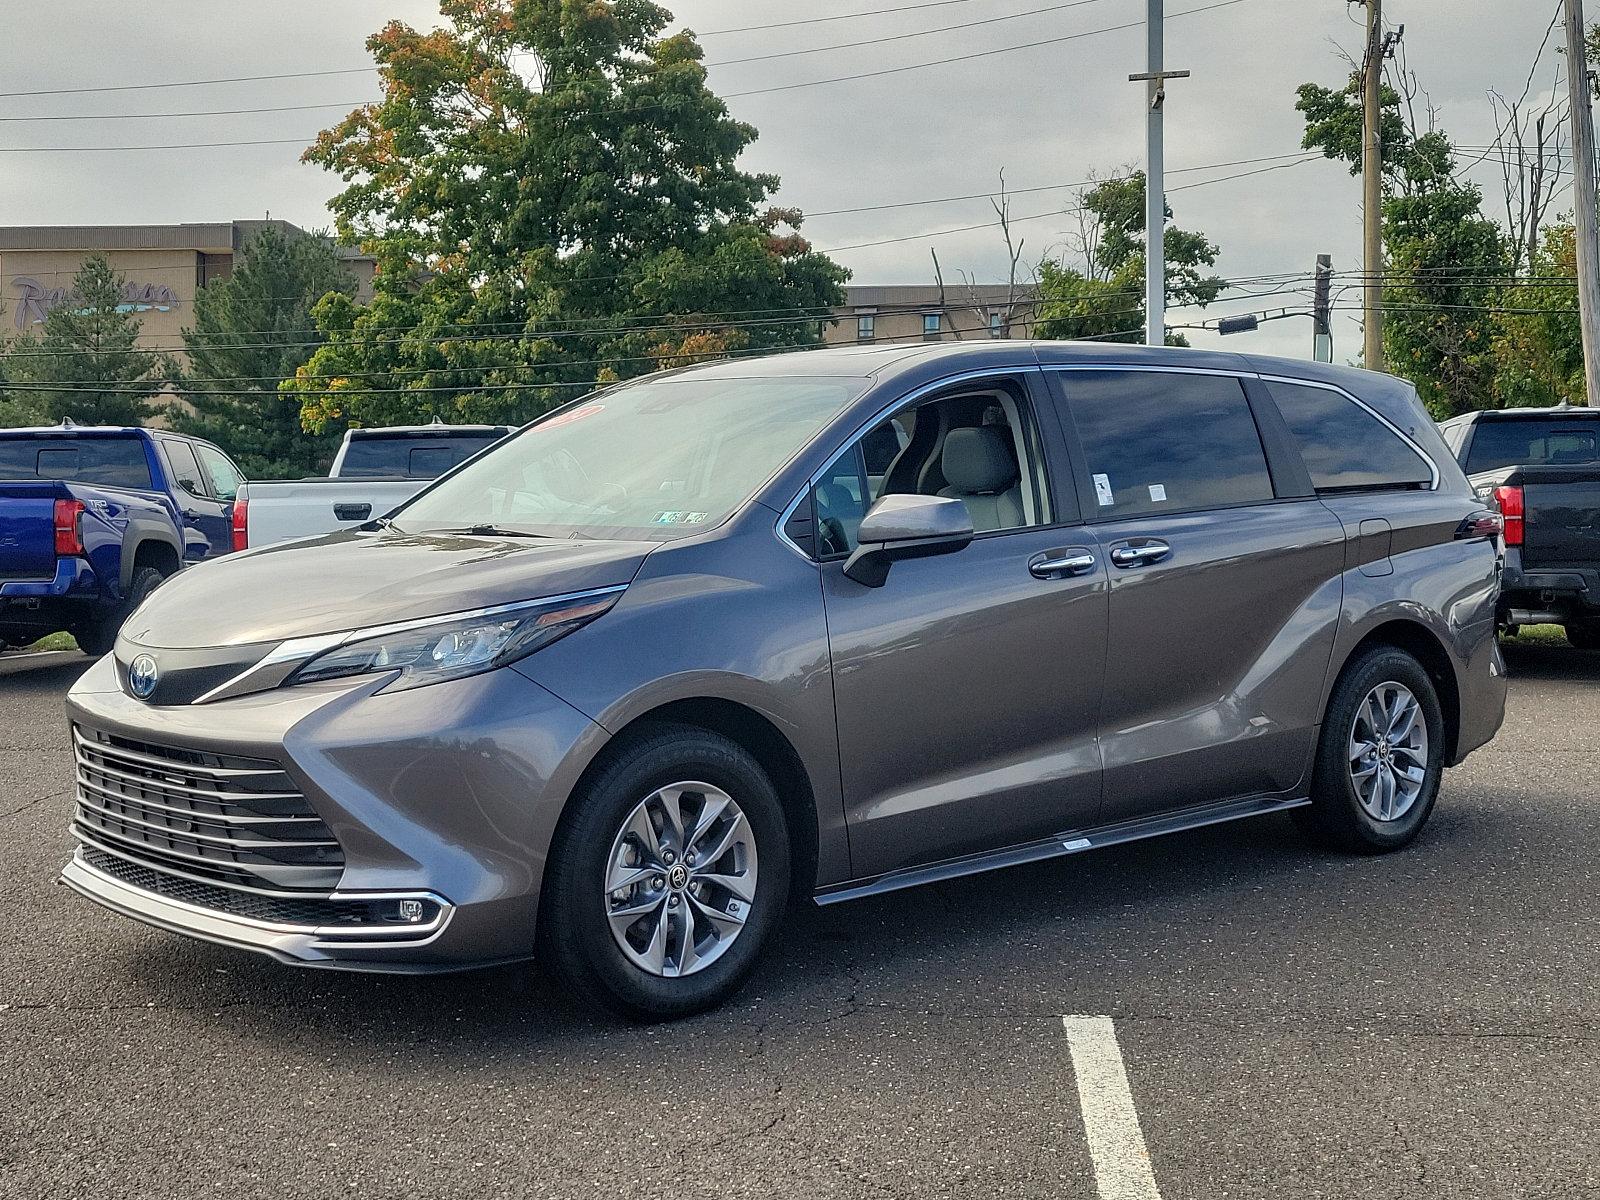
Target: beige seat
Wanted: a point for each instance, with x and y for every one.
(980, 468)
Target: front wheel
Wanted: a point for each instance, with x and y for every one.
(667, 877)
(1381, 755)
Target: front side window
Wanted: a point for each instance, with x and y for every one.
(225, 479)
(1167, 441)
(658, 459)
(980, 448)
(1345, 447)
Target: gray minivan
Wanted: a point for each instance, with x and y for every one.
(818, 625)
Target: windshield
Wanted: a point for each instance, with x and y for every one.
(1532, 441)
(109, 461)
(660, 459)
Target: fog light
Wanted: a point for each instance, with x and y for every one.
(411, 911)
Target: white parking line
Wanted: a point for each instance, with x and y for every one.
(1116, 1143)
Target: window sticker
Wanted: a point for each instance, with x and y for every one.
(1158, 492)
(679, 518)
(1102, 491)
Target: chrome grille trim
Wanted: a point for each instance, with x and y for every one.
(200, 816)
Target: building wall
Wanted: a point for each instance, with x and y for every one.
(161, 288)
(906, 314)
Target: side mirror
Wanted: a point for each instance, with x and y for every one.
(902, 527)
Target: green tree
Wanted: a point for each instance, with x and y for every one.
(1101, 294)
(1539, 347)
(543, 181)
(86, 364)
(1445, 262)
(251, 332)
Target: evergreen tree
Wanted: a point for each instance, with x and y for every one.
(85, 366)
(252, 331)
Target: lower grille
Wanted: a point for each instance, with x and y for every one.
(229, 822)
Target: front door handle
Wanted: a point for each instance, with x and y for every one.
(1056, 564)
(1141, 553)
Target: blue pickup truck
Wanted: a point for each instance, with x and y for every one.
(93, 519)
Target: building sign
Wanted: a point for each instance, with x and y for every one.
(35, 300)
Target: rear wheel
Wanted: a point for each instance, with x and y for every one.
(668, 876)
(1381, 755)
(1584, 635)
(98, 638)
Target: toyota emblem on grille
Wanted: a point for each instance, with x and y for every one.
(143, 676)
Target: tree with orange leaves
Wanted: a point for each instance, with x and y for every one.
(553, 196)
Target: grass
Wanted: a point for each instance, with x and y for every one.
(1540, 635)
(56, 641)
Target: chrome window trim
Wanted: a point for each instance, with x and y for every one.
(882, 414)
(1324, 385)
(297, 650)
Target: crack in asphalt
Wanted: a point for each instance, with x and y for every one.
(34, 803)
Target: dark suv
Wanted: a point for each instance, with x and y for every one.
(823, 624)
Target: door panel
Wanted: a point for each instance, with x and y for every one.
(967, 693)
(1216, 653)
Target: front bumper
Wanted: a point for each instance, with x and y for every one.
(447, 795)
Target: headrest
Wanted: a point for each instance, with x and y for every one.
(979, 461)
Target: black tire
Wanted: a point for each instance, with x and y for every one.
(1584, 635)
(575, 937)
(1336, 815)
(98, 638)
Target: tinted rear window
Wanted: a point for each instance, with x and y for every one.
(409, 458)
(113, 462)
(1167, 442)
(1533, 441)
(1344, 446)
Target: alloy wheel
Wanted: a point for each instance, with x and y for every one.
(1388, 747)
(680, 879)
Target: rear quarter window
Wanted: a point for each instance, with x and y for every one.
(1345, 447)
(109, 462)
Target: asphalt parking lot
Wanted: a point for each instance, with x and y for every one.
(1292, 1023)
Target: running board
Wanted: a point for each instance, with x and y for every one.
(1058, 847)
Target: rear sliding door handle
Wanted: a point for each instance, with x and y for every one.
(1055, 564)
(1140, 554)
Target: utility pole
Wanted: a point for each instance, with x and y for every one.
(1583, 174)
(1155, 189)
(1372, 187)
(1322, 312)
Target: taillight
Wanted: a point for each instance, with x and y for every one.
(1509, 501)
(241, 524)
(69, 530)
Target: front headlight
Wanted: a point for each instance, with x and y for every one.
(430, 651)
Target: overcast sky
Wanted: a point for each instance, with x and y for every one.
(1046, 114)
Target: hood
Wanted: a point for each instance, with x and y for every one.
(350, 580)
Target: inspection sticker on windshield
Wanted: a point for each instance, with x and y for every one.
(1102, 491)
(1158, 492)
(679, 518)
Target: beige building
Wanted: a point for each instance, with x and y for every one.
(919, 312)
(164, 266)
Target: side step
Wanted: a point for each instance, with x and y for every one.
(1058, 847)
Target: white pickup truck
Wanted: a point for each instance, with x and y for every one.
(374, 471)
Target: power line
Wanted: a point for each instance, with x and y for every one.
(788, 87)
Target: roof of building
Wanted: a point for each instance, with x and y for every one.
(918, 295)
(209, 237)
